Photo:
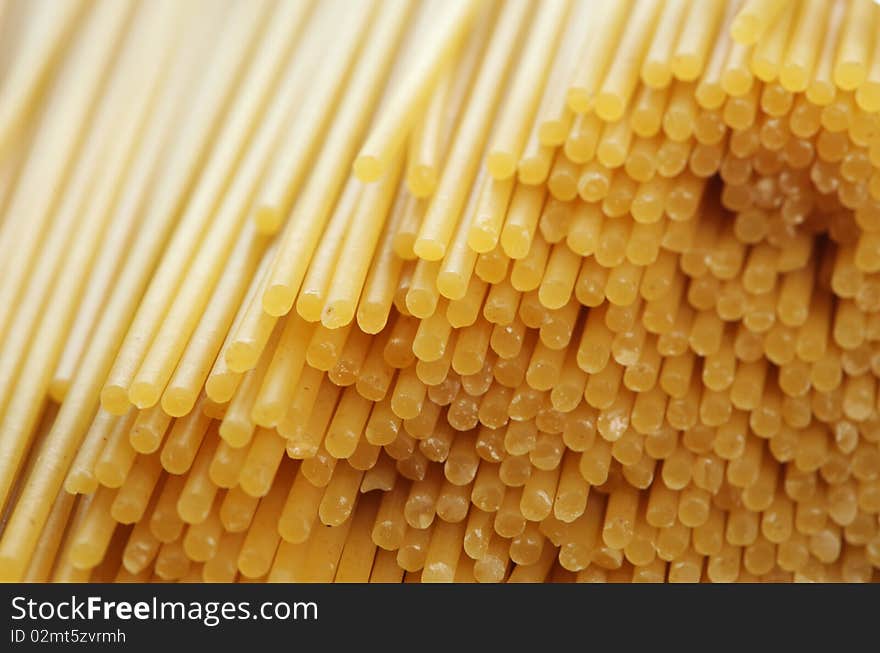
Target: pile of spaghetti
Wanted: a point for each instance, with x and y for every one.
(423, 290)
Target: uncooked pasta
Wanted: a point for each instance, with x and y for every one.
(417, 291)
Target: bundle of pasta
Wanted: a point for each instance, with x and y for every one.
(409, 290)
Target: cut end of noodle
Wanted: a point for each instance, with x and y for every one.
(114, 399)
(278, 300)
(368, 168)
(177, 402)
